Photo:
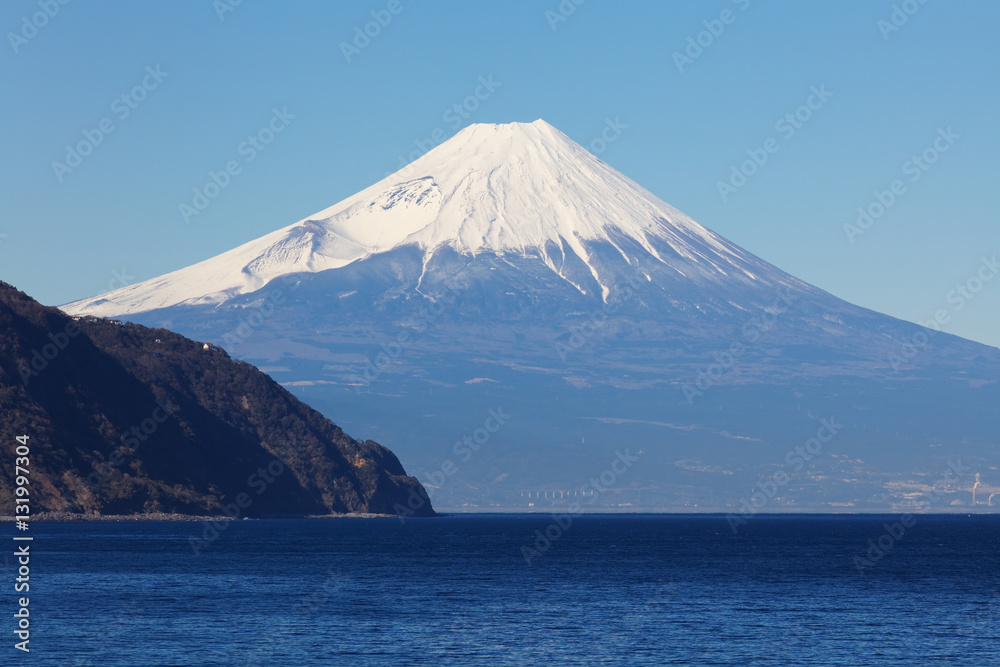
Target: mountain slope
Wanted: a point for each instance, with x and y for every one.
(523, 190)
(124, 419)
(510, 269)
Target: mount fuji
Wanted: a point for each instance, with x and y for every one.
(515, 319)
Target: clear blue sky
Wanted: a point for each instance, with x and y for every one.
(892, 91)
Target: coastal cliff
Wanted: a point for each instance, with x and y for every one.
(123, 419)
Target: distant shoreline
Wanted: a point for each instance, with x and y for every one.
(777, 511)
(69, 517)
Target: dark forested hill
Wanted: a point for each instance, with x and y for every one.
(126, 419)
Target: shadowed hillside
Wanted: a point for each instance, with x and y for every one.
(125, 419)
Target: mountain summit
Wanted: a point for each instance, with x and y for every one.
(520, 189)
(514, 315)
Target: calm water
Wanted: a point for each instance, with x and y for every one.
(612, 590)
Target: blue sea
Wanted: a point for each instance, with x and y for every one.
(460, 590)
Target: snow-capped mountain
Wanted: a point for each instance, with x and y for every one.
(522, 190)
(508, 311)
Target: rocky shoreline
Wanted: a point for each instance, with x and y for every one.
(64, 517)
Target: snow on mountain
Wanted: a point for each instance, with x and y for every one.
(521, 189)
(473, 280)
